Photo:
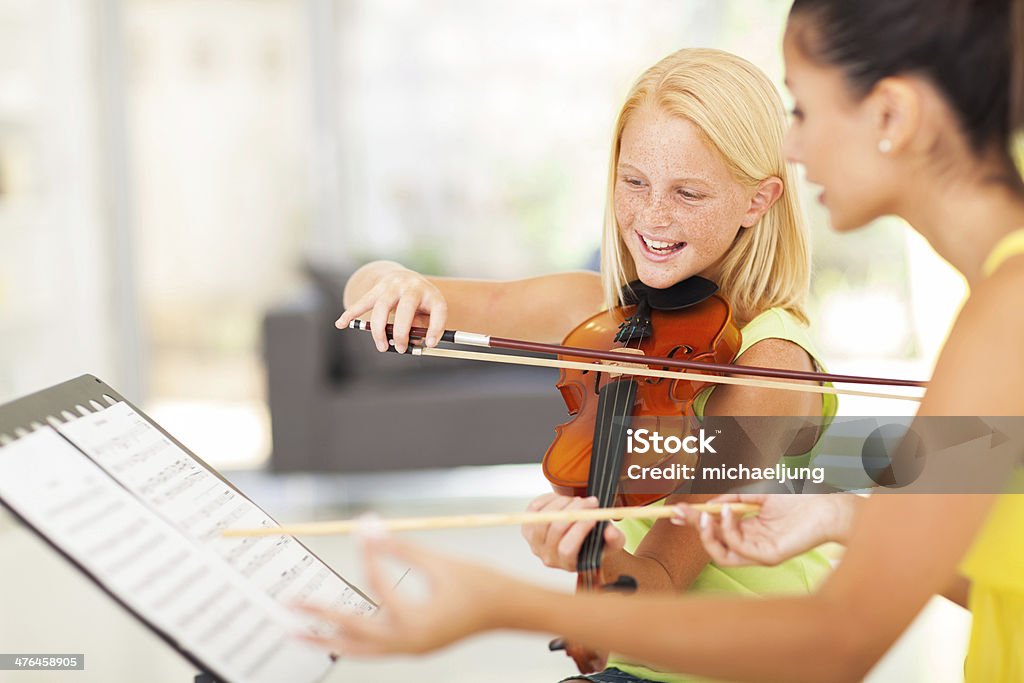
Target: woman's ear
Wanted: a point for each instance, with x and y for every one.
(766, 193)
(896, 109)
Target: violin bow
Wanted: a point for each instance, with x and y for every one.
(633, 364)
(370, 524)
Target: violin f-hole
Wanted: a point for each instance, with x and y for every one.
(572, 396)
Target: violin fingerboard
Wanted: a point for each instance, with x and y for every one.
(614, 408)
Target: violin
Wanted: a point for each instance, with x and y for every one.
(688, 321)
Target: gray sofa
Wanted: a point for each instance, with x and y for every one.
(336, 404)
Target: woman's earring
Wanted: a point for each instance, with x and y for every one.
(885, 145)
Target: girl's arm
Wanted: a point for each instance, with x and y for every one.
(541, 308)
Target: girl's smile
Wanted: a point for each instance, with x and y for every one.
(659, 250)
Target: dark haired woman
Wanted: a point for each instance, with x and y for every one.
(903, 107)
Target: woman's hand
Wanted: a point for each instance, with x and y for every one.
(391, 288)
(558, 544)
(786, 526)
(462, 599)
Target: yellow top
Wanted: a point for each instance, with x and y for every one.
(995, 563)
(800, 574)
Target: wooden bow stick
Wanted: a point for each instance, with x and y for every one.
(371, 524)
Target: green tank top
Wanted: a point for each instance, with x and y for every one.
(801, 574)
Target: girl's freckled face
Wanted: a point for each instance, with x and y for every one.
(677, 204)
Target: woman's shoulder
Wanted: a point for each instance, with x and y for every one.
(994, 303)
(980, 368)
(1005, 281)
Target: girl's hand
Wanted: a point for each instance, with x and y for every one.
(410, 296)
(558, 544)
(463, 598)
(786, 526)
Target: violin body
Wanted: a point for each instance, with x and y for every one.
(587, 457)
(701, 332)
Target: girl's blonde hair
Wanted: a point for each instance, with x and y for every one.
(740, 114)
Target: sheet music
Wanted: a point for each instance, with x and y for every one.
(201, 505)
(172, 582)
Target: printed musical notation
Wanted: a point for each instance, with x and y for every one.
(174, 583)
(202, 505)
